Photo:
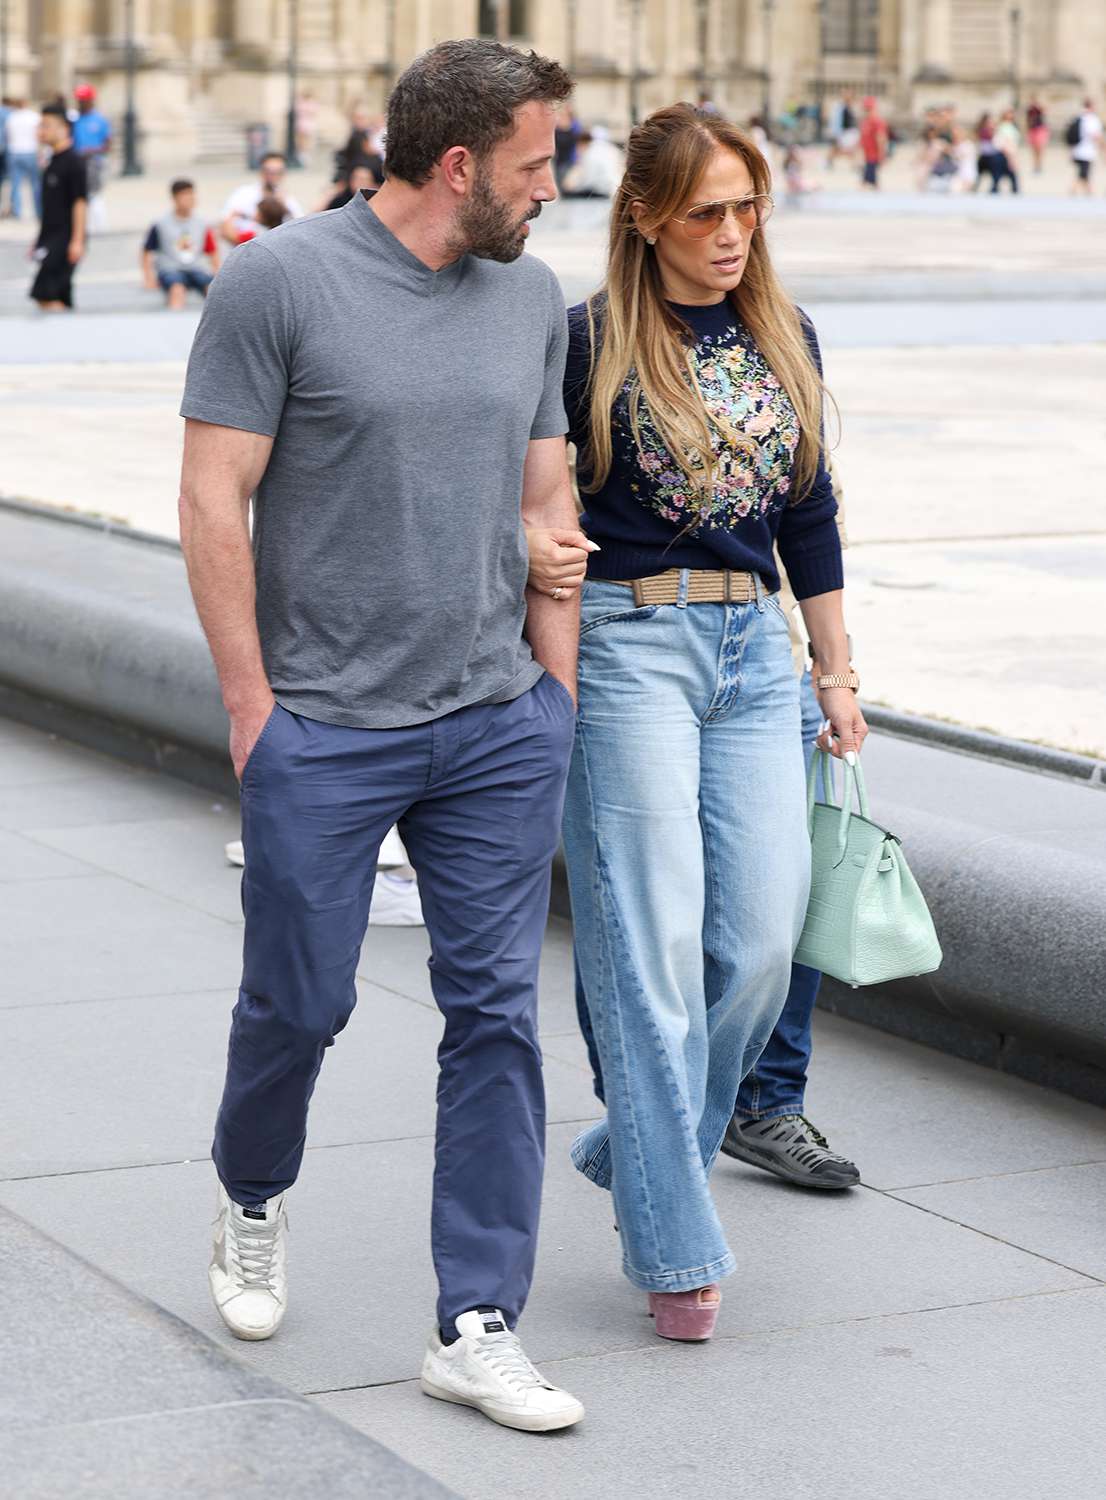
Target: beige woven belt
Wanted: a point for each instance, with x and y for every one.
(705, 586)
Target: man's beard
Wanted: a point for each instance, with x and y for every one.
(487, 227)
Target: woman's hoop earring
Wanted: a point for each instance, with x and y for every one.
(650, 239)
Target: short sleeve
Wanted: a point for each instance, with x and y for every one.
(78, 181)
(549, 419)
(240, 365)
(153, 240)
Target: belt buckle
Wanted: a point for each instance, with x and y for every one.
(638, 586)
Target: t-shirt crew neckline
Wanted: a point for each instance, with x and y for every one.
(418, 273)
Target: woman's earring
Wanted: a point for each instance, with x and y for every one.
(650, 239)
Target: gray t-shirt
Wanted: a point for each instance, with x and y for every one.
(178, 243)
(388, 541)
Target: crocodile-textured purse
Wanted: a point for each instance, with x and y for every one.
(867, 921)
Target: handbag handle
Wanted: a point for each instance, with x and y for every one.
(853, 778)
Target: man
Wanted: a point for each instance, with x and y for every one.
(843, 132)
(61, 236)
(1084, 135)
(873, 143)
(92, 141)
(240, 209)
(175, 248)
(385, 380)
(22, 141)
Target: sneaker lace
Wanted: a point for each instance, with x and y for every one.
(808, 1141)
(254, 1250)
(505, 1355)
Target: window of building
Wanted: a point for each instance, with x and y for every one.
(852, 26)
(506, 20)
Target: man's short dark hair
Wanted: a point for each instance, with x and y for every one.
(464, 93)
(57, 111)
(181, 185)
(274, 156)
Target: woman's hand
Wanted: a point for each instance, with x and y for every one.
(558, 560)
(847, 730)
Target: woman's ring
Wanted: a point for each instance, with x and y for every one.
(558, 592)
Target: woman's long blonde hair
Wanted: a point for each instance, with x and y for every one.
(640, 333)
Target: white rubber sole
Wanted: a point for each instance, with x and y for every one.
(521, 1421)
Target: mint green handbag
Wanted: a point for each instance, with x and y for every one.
(867, 921)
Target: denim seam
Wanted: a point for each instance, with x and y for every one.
(601, 887)
(725, 698)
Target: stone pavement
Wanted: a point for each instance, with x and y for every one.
(965, 344)
(937, 1332)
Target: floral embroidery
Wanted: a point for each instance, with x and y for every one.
(740, 389)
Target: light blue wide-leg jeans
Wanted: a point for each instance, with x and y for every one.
(689, 869)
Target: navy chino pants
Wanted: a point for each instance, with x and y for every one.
(478, 797)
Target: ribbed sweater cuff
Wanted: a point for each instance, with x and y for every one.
(815, 573)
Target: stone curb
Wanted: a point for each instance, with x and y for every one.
(101, 644)
(105, 1395)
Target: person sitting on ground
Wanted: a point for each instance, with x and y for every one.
(175, 248)
(238, 212)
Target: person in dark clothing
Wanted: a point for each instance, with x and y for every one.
(61, 236)
(362, 177)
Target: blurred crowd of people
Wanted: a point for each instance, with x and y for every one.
(54, 163)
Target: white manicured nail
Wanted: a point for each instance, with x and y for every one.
(850, 757)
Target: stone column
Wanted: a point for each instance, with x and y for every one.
(254, 25)
(1073, 50)
(25, 49)
(936, 50)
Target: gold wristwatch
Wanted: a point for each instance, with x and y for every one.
(840, 679)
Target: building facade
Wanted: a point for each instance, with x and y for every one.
(204, 69)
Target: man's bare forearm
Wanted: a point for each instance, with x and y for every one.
(552, 625)
(221, 575)
(553, 630)
(222, 468)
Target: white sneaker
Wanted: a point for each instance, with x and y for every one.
(235, 854)
(248, 1277)
(395, 902)
(487, 1368)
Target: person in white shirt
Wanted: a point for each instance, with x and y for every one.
(241, 207)
(1084, 153)
(21, 140)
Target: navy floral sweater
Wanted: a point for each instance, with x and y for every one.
(639, 513)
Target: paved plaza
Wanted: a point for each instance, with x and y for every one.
(965, 346)
(936, 1333)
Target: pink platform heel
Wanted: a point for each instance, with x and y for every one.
(688, 1317)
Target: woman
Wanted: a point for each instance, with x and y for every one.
(1008, 142)
(991, 161)
(1037, 132)
(695, 403)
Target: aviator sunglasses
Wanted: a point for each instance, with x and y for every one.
(705, 218)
